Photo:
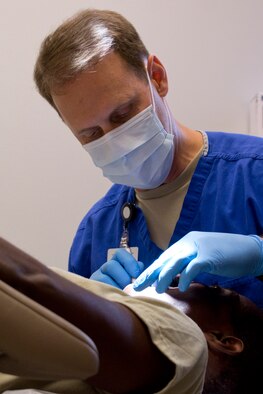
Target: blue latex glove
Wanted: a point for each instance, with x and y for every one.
(230, 255)
(120, 270)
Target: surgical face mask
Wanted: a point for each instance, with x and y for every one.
(138, 153)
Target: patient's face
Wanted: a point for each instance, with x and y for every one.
(206, 305)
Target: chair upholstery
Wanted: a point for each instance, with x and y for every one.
(36, 343)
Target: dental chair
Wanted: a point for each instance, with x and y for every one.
(37, 344)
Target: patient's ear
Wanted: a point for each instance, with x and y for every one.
(220, 342)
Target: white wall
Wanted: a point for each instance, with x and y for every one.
(213, 53)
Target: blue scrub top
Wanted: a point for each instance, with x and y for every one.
(225, 195)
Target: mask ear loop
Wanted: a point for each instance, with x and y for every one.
(164, 101)
(151, 89)
(169, 117)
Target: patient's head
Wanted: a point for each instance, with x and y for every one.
(233, 328)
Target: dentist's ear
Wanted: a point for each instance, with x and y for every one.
(158, 75)
(227, 344)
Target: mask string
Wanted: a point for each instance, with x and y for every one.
(164, 101)
(169, 117)
(151, 90)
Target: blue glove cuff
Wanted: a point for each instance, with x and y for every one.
(259, 241)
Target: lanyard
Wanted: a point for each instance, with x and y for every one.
(127, 213)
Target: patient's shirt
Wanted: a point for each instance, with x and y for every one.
(175, 335)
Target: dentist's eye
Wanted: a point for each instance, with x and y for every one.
(90, 135)
(121, 116)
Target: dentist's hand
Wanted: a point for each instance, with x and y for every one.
(120, 270)
(230, 255)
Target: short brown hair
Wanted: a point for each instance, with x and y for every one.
(80, 43)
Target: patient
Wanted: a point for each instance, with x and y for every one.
(166, 343)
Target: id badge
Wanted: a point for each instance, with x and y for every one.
(134, 250)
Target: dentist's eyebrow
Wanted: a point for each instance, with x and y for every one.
(132, 102)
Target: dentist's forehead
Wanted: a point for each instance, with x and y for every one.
(92, 95)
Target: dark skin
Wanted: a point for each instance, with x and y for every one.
(90, 312)
(210, 308)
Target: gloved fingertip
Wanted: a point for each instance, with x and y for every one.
(138, 288)
(154, 284)
(141, 266)
(136, 285)
(183, 286)
(139, 284)
(160, 288)
(138, 270)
